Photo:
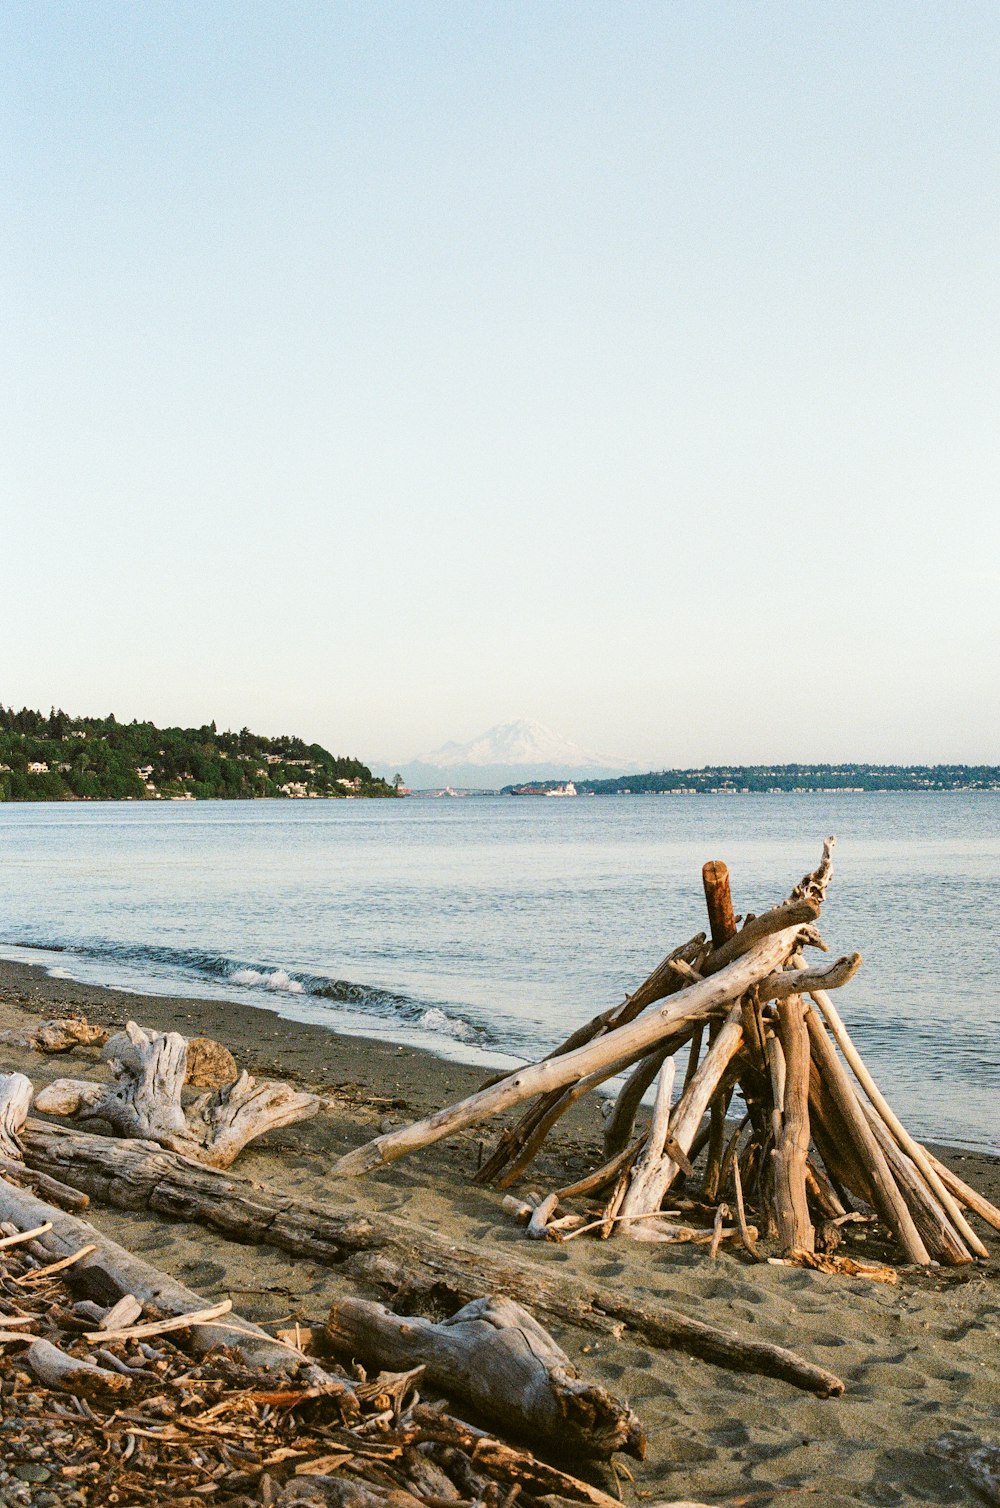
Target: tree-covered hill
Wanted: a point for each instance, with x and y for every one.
(727, 780)
(55, 757)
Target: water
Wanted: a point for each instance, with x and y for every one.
(486, 929)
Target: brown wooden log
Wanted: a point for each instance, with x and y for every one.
(719, 900)
(970, 1197)
(939, 1235)
(496, 1357)
(906, 1142)
(385, 1251)
(722, 922)
(791, 1205)
(83, 1378)
(887, 1198)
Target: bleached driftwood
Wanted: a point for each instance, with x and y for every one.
(145, 1102)
(108, 1272)
(15, 1102)
(385, 1251)
(653, 1177)
(495, 1356)
(885, 1195)
(79, 1376)
(761, 966)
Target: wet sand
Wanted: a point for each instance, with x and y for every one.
(918, 1359)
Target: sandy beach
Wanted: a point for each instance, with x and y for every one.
(918, 1359)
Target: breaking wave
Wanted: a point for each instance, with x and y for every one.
(138, 967)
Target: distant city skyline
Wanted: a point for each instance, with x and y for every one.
(382, 374)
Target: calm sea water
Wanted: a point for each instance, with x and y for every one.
(486, 929)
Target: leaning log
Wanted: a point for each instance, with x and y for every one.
(696, 1002)
(495, 1356)
(384, 1251)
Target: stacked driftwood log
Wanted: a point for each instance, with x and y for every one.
(771, 1091)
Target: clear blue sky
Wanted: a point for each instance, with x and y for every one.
(379, 371)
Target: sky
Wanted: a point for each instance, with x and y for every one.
(381, 371)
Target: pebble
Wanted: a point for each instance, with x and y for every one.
(30, 1471)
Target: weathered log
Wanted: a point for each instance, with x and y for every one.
(696, 1002)
(495, 1356)
(41, 1184)
(970, 1197)
(939, 1235)
(911, 1147)
(888, 1200)
(109, 1272)
(83, 1378)
(145, 1103)
(644, 1194)
(722, 922)
(791, 1205)
(15, 1102)
(384, 1250)
(719, 900)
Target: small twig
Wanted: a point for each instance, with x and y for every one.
(25, 1235)
(54, 1267)
(162, 1327)
(741, 1215)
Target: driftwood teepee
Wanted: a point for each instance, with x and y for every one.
(812, 1130)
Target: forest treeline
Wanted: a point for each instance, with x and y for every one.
(733, 779)
(55, 757)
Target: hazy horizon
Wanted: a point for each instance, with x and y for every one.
(383, 373)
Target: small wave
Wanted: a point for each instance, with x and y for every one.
(437, 1020)
(277, 980)
(59, 974)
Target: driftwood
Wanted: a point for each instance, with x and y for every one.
(61, 1035)
(109, 1272)
(495, 1356)
(696, 1002)
(78, 1376)
(135, 1424)
(741, 1002)
(150, 1070)
(386, 1252)
(15, 1102)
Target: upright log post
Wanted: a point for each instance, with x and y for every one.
(791, 1206)
(722, 923)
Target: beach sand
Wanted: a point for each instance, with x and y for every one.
(918, 1359)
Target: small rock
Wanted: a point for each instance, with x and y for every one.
(30, 1471)
(209, 1064)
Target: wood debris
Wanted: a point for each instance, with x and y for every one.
(763, 1040)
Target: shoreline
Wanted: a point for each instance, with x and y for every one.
(918, 1359)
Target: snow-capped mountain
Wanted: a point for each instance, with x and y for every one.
(509, 752)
